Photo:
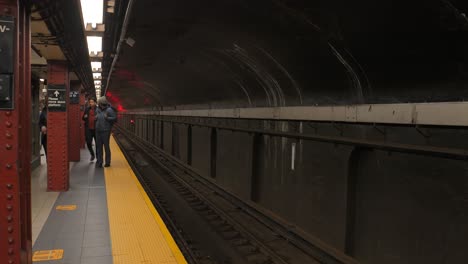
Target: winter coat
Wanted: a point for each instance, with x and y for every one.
(105, 118)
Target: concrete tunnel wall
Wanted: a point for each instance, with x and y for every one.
(281, 53)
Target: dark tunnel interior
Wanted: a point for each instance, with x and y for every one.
(268, 53)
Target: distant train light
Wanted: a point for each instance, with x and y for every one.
(132, 121)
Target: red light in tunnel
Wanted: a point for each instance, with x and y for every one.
(120, 108)
(108, 94)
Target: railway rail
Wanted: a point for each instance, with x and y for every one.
(234, 230)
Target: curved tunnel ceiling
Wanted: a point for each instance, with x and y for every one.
(253, 53)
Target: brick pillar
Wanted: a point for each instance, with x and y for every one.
(74, 122)
(57, 126)
(15, 133)
(82, 128)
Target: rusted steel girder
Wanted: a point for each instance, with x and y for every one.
(57, 120)
(15, 133)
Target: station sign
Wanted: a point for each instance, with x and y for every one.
(57, 98)
(7, 37)
(74, 97)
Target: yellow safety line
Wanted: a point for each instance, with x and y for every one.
(167, 235)
(122, 163)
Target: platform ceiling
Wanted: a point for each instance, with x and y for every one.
(245, 53)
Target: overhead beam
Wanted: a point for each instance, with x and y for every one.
(437, 114)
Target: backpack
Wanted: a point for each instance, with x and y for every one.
(116, 114)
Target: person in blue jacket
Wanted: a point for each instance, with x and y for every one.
(105, 119)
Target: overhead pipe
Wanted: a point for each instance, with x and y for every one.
(121, 40)
(55, 23)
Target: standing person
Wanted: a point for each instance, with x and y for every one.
(105, 118)
(89, 118)
(43, 128)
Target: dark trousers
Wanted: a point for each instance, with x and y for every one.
(44, 142)
(90, 134)
(102, 140)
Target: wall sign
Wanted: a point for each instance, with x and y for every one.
(7, 52)
(74, 97)
(57, 98)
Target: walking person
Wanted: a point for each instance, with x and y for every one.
(105, 119)
(43, 128)
(89, 118)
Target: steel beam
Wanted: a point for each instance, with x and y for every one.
(443, 152)
(15, 135)
(74, 121)
(433, 114)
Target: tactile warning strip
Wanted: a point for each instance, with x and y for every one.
(138, 234)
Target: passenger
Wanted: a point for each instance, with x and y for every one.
(89, 118)
(43, 128)
(105, 119)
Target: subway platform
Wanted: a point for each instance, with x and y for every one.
(106, 217)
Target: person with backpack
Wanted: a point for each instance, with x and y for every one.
(105, 119)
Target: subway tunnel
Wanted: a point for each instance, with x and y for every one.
(318, 131)
(248, 54)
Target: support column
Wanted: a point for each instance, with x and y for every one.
(82, 127)
(256, 170)
(57, 127)
(213, 151)
(74, 122)
(15, 134)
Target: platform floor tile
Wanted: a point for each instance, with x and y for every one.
(83, 232)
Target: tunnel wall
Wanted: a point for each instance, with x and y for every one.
(377, 206)
(182, 142)
(234, 162)
(288, 53)
(409, 209)
(201, 154)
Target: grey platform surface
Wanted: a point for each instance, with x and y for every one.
(83, 234)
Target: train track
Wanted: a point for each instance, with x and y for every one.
(234, 232)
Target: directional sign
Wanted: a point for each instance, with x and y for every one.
(7, 37)
(74, 97)
(57, 99)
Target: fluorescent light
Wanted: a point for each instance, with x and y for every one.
(42, 80)
(96, 65)
(93, 11)
(94, 44)
(96, 75)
